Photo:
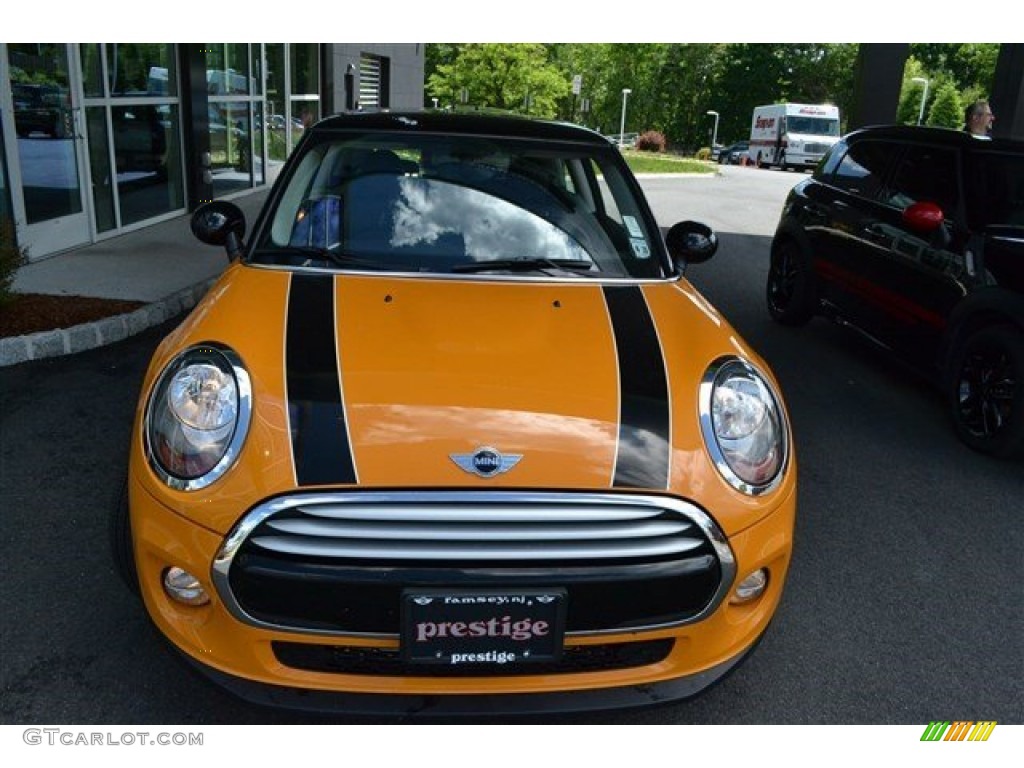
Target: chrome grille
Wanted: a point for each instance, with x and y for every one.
(816, 149)
(472, 532)
(336, 563)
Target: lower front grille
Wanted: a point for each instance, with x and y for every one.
(386, 662)
(338, 563)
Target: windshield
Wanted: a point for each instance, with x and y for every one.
(815, 126)
(460, 205)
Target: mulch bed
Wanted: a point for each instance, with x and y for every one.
(32, 312)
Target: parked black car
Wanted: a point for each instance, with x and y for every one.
(915, 237)
(733, 154)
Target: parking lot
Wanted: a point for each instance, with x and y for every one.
(903, 603)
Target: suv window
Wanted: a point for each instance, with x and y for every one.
(995, 185)
(925, 174)
(862, 169)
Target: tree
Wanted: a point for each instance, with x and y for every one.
(437, 55)
(673, 85)
(507, 76)
(909, 107)
(968, 64)
(946, 111)
(751, 74)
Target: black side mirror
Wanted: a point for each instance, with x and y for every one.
(690, 242)
(220, 223)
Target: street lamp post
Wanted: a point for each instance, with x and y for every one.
(924, 97)
(714, 135)
(622, 124)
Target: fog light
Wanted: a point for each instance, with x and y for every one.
(184, 587)
(751, 588)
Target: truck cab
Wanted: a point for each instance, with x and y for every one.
(792, 135)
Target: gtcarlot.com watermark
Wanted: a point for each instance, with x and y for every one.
(69, 737)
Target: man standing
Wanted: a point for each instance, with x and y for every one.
(978, 119)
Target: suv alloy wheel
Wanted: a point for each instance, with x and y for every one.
(986, 391)
(790, 288)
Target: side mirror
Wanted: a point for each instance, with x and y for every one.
(220, 223)
(923, 217)
(690, 242)
(927, 219)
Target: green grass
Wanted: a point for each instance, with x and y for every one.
(649, 162)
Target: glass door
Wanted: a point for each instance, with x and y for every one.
(46, 147)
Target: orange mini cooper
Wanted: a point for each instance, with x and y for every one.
(453, 434)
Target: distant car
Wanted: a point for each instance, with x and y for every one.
(915, 236)
(41, 109)
(715, 151)
(454, 434)
(733, 154)
(624, 140)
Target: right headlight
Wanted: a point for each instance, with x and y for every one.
(197, 417)
(743, 425)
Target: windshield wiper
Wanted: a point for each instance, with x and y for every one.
(574, 266)
(338, 258)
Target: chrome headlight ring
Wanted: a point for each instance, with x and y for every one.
(744, 426)
(197, 417)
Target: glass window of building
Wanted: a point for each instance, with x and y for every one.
(132, 121)
(259, 114)
(293, 97)
(92, 70)
(233, 87)
(305, 69)
(276, 105)
(141, 69)
(147, 159)
(43, 121)
(305, 90)
(101, 169)
(6, 207)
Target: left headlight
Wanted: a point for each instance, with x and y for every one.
(197, 417)
(744, 426)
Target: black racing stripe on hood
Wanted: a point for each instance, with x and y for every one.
(643, 454)
(320, 442)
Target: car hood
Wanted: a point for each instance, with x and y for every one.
(383, 382)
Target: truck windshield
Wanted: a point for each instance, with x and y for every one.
(815, 126)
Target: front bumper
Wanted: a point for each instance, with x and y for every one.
(471, 705)
(245, 657)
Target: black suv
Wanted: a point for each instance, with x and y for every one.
(915, 237)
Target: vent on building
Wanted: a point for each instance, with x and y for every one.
(373, 85)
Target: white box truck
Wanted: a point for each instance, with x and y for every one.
(792, 135)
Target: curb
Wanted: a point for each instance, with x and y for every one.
(99, 333)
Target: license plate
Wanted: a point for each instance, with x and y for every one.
(482, 627)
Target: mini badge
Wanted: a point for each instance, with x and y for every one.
(486, 461)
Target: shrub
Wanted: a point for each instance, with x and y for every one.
(704, 153)
(11, 258)
(946, 110)
(651, 141)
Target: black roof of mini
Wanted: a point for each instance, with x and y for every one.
(467, 123)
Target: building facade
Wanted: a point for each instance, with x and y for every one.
(97, 139)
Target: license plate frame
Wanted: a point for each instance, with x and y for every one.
(482, 627)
